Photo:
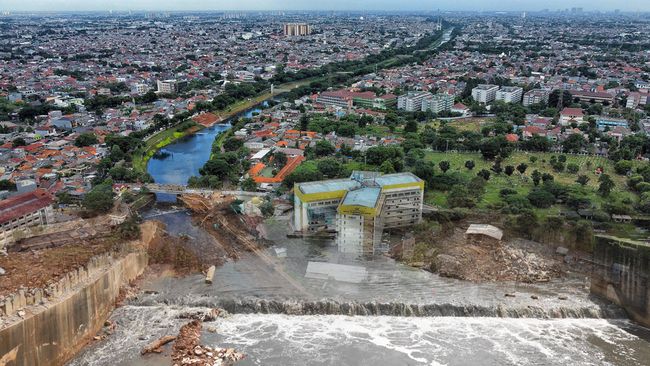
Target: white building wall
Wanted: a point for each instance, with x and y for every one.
(350, 233)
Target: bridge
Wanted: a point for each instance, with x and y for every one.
(179, 189)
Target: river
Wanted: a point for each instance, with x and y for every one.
(343, 310)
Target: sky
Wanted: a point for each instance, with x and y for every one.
(84, 5)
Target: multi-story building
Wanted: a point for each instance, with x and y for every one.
(140, 89)
(359, 208)
(24, 211)
(510, 94)
(337, 98)
(167, 86)
(412, 101)
(571, 115)
(438, 103)
(592, 97)
(485, 93)
(636, 99)
(346, 98)
(603, 123)
(297, 29)
(535, 96)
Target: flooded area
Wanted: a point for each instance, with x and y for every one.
(314, 305)
(276, 323)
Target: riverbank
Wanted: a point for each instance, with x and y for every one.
(170, 135)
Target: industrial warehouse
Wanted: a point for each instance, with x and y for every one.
(359, 208)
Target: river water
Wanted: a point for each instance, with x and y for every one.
(315, 306)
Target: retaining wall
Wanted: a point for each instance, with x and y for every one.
(621, 273)
(48, 326)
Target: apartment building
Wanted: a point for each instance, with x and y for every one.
(535, 96)
(438, 103)
(167, 86)
(412, 101)
(297, 29)
(510, 94)
(485, 93)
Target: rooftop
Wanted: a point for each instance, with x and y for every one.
(366, 197)
(484, 229)
(23, 204)
(397, 178)
(328, 186)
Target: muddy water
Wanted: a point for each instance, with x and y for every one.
(473, 324)
(303, 317)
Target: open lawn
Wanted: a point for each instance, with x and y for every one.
(523, 183)
(473, 124)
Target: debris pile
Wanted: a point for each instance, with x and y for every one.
(188, 351)
(453, 255)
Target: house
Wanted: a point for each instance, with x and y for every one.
(571, 115)
(460, 108)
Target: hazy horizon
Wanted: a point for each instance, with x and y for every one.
(368, 5)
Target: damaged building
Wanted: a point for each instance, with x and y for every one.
(359, 208)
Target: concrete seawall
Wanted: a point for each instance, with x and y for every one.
(52, 333)
(620, 274)
(43, 327)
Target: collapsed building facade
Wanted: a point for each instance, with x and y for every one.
(359, 208)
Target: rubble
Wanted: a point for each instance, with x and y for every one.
(453, 255)
(188, 351)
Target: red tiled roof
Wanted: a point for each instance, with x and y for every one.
(572, 112)
(206, 119)
(23, 204)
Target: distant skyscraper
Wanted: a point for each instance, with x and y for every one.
(297, 29)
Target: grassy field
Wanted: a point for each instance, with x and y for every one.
(523, 184)
(473, 124)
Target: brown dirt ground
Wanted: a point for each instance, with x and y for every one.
(36, 269)
(447, 252)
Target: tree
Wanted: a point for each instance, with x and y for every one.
(19, 142)
(232, 144)
(606, 185)
(216, 167)
(100, 198)
(574, 143)
(469, 164)
(387, 167)
(546, 177)
(279, 159)
(323, 148)
(541, 198)
(86, 139)
(444, 166)
(424, 170)
(623, 167)
(6, 185)
(572, 168)
(537, 176)
(249, 185)
(494, 146)
(521, 168)
(329, 167)
(497, 167)
(484, 173)
(459, 196)
(411, 126)
(509, 169)
(583, 180)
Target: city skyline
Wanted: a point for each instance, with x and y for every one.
(380, 5)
